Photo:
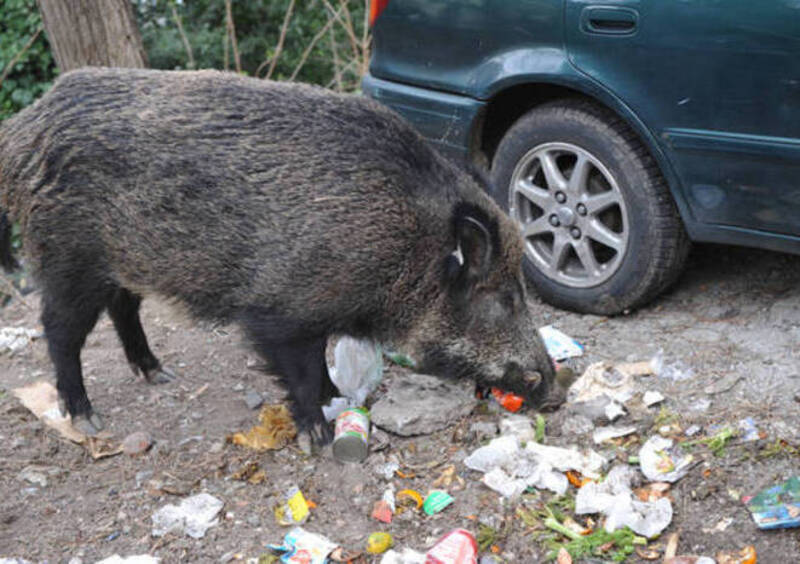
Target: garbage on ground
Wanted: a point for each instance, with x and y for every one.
(193, 516)
(387, 469)
(560, 346)
(456, 547)
(602, 434)
(274, 430)
(614, 498)
(652, 397)
(676, 371)
(747, 555)
(447, 477)
(652, 491)
(576, 479)
(250, 472)
(14, 339)
(384, 508)
(748, 430)
(351, 437)
(692, 430)
(519, 426)
(406, 499)
(137, 559)
(720, 527)
(507, 400)
(400, 359)
(379, 542)
(294, 509)
(418, 404)
(406, 556)
(510, 469)
(302, 547)
(661, 461)
(41, 398)
(614, 411)
(358, 368)
(777, 507)
(616, 545)
(689, 560)
(615, 382)
(436, 501)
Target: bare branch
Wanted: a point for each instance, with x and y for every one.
(311, 46)
(286, 18)
(348, 28)
(186, 44)
(18, 55)
(337, 73)
(231, 28)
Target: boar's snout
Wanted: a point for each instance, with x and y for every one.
(533, 383)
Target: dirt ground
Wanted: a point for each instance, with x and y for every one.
(734, 319)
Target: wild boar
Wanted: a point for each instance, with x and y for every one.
(294, 211)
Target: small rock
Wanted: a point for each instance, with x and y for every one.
(418, 404)
(652, 397)
(142, 476)
(238, 387)
(33, 475)
(576, 425)
(253, 399)
(483, 429)
(137, 443)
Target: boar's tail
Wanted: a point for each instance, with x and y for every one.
(7, 260)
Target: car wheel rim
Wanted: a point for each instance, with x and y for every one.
(571, 213)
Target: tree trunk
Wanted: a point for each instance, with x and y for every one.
(92, 33)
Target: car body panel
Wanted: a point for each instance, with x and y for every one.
(735, 178)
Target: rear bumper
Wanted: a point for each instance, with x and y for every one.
(446, 120)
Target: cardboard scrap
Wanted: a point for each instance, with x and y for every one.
(41, 398)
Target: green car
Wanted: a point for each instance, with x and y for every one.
(614, 132)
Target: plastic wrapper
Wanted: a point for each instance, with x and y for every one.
(614, 499)
(301, 547)
(560, 346)
(777, 507)
(661, 461)
(194, 516)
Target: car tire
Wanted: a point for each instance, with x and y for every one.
(605, 240)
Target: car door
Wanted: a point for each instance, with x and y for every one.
(718, 83)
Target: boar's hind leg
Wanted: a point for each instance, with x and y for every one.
(66, 324)
(123, 308)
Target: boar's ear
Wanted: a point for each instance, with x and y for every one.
(475, 243)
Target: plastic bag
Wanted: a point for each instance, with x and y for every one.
(359, 368)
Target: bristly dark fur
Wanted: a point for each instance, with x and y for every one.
(294, 211)
(7, 260)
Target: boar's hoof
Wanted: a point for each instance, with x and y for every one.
(304, 442)
(62, 406)
(313, 429)
(88, 423)
(159, 375)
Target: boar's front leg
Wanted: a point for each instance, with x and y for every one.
(301, 365)
(298, 357)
